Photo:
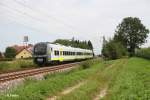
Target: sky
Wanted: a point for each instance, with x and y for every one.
(48, 20)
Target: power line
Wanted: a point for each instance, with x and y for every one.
(45, 14)
(26, 26)
(19, 12)
(23, 13)
(11, 18)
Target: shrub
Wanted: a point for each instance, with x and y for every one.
(5, 65)
(113, 50)
(85, 65)
(144, 53)
(10, 52)
(25, 63)
(89, 63)
(6, 59)
(16, 64)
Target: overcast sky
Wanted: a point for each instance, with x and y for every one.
(47, 20)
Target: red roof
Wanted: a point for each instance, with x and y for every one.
(20, 48)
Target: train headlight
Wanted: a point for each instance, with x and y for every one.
(40, 59)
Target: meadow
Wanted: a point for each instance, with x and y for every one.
(122, 79)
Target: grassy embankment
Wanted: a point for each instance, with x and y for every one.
(52, 84)
(123, 79)
(126, 79)
(16, 65)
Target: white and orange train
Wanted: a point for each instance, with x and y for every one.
(45, 52)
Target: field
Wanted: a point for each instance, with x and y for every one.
(122, 79)
(16, 65)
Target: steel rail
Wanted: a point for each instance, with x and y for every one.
(32, 72)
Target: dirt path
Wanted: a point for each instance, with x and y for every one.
(102, 93)
(67, 91)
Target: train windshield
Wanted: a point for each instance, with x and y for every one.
(40, 49)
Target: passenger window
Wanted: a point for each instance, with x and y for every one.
(56, 53)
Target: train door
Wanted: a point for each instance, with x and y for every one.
(49, 53)
(61, 55)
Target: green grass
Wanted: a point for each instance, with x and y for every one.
(95, 83)
(132, 81)
(15, 65)
(125, 79)
(51, 85)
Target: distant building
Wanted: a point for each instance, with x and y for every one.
(23, 51)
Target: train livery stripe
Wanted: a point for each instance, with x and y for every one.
(54, 59)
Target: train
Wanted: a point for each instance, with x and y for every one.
(48, 53)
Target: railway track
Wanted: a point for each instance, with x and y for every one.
(22, 74)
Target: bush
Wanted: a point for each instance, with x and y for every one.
(4, 66)
(10, 52)
(89, 63)
(25, 63)
(6, 59)
(113, 50)
(16, 64)
(144, 53)
(85, 65)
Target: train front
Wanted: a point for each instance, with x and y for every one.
(40, 53)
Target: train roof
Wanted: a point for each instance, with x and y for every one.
(58, 46)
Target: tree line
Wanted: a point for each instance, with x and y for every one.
(75, 43)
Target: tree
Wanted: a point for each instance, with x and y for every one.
(90, 46)
(131, 33)
(113, 50)
(10, 52)
(74, 43)
(1, 56)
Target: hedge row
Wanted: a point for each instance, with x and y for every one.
(6, 59)
(16, 65)
(144, 53)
